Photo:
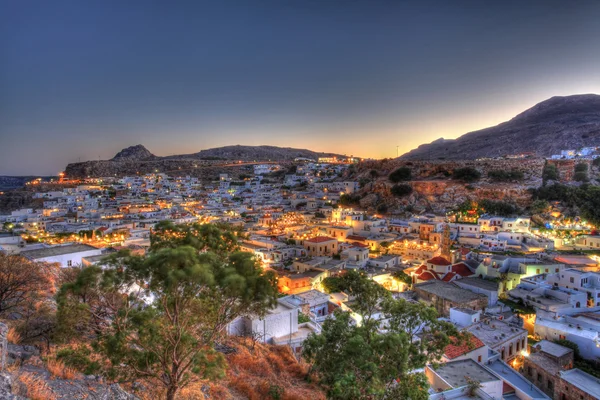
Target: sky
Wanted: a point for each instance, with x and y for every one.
(80, 80)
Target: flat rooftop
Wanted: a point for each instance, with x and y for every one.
(553, 349)
(57, 251)
(496, 332)
(457, 372)
(583, 381)
(449, 291)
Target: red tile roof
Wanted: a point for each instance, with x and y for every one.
(461, 269)
(320, 239)
(428, 275)
(453, 350)
(356, 237)
(448, 277)
(439, 261)
(420, 270)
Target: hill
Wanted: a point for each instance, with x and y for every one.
(556, 124)
(137, 158)
(255, 153)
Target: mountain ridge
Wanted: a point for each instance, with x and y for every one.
(558, 123)
(138, 159)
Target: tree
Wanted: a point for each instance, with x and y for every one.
(219, 238)
(581, 172)
(466, 174)
(498, 207)
(359, 362)
(174, 306)
(540, 207)
(550, 173)
(386, 246)
(505, 176)
(403, 277)
(400, 174)
(401, 190)
(20, 280)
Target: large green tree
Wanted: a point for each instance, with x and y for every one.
(163, 314)
(361, 362)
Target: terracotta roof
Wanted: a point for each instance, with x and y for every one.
(420, 269)
(427, 276)
(448, 277)
(320, 239)
(462, 269)
(356, 237)
(361, 245)
(439, 261)
(453, 351)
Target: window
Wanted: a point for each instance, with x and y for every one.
(69, 263)
(539, 377)
(572, 280)
(550, 385)
(529, 371)
(479, 358)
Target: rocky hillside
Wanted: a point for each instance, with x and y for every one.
(138, 152)
(435, 190)
(137, 159)
(559, 123)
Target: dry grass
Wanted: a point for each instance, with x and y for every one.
(13, 336)
(267, 372)
(35, 388)
(59, 370)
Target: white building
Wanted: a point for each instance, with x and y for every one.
(67, 256)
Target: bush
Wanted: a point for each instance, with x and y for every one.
(499, 208)
(581, 167)
(401, 190)
(348, 199)
(581, 176)
(466, 174)
(80, 359)
(400, 174)
(596, 162)
(550, 173)
(505, 176)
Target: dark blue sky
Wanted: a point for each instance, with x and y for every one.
(83, 79)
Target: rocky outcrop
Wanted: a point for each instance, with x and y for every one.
(137, 152)
(559, 123)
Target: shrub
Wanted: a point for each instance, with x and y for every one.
(505, 176)
(400, 174)
(466, 174)
(79, 359)
(550, 173)
(581, 176)
(500, 208)
(596, 161)
(401, 190)
(581, 167)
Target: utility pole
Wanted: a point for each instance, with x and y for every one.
(397, 151)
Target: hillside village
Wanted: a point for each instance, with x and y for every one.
(523, 283)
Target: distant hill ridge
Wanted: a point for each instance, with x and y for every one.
(559, 123)
(138, 159)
